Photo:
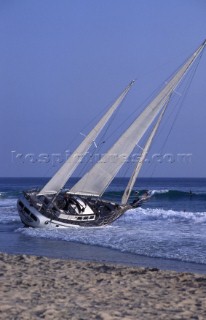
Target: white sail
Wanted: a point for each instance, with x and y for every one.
(63, 174)
(140, 162)
(102, 173)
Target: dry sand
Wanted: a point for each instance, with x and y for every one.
(42, 288)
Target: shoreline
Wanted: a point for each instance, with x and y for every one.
(34, 287)
(57, 249)
(18, 243)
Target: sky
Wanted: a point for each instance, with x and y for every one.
(63, 62)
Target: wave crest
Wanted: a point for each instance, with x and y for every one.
(149, 214)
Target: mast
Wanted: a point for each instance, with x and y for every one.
(140, 162)
(97, 179)
(58, 181)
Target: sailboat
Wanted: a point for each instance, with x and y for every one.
(83, 204)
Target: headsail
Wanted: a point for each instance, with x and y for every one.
(63, 174)
(140, 162)
(100, 176)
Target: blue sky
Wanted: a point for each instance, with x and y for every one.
(62, 62)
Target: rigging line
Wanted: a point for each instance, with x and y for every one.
(185, 92)
(106, 108)
(168, 62)
(136, 110)
(154, 91)
(181, 103)
(103, 139)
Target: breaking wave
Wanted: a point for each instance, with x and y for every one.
(148, 232)
(149, 214)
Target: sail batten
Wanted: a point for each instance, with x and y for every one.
(97, 179)
(58, 181)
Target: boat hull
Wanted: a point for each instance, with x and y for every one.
(37, 217)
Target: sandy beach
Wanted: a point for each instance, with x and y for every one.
(42, 288)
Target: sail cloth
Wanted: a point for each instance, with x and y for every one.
(140, 162)
(97, 179)
(58, 181)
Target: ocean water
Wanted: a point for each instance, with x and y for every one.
(171, 225)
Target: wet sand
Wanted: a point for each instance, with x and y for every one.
(42, 288)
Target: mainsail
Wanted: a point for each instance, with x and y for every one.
(97, 179)
(63, 174)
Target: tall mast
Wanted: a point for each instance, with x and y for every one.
(140, 162)
(58, 181)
